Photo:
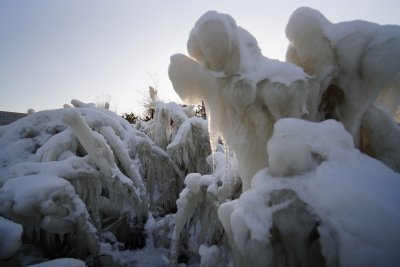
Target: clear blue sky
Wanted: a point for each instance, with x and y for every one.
(54, 51)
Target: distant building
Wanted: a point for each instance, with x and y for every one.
(9, 117)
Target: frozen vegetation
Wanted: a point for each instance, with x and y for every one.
(296, 165)
(81, 181)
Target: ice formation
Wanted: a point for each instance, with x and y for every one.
(10, 238)
(380, 136)
(68, 174)
(189, 199)
(317, 216)
(198, 208)
(172, 152)
(361, 58)
(210, 256)
(49, 203)
(298, 146)
(191, 136)
(100, 150)
(82, 182)
(299, 209)
(244, 92)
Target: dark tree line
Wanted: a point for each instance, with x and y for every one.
(132, 118)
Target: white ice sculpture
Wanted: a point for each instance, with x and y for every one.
(244, 92)
(338, 209)
(360, 58)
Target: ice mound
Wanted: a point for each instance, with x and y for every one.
(340, 210)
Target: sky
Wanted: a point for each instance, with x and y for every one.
(53, 51)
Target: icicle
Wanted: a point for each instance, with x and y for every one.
(204, 221)
(212, 133)
(36, 230)
(227, 165)
(61, 237)
(213, 163)
(188, 201)
(29, 230)
(149, 229)
(48, 237)
(173, 252)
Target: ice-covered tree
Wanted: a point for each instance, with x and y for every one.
(71, 175)
(81, 181)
